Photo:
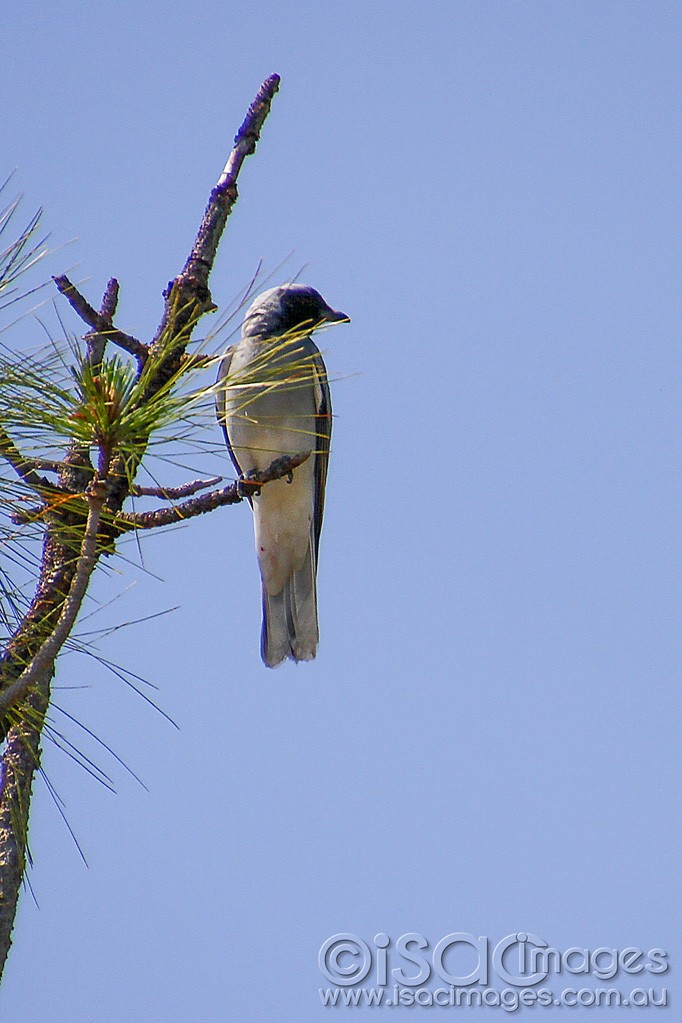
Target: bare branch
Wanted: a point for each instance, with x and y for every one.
(110, 299)
(173, 493)
(96, 342)
(99, 322)
(224, 194)
(187, 297)
(247, 486)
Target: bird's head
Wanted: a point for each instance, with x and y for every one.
(287, 307)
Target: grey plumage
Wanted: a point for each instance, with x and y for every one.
(273, 399)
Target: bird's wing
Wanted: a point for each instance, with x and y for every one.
(221, 403)
(323, 431)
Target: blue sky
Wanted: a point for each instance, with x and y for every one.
(487, 741)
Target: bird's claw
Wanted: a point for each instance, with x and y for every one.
(248, 487)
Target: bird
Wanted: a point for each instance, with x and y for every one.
(272, 399)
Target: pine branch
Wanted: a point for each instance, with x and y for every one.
(21, 757)
(70, 547)
(44, 659)
(76, 469)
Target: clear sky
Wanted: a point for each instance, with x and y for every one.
(488, 741)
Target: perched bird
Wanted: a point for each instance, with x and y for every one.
(273, 400)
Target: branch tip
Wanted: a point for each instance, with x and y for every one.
(99, 321)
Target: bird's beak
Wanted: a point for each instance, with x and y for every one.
(336, 317)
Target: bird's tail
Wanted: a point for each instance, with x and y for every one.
(290, 617)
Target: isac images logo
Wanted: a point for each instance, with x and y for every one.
(468, 970)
